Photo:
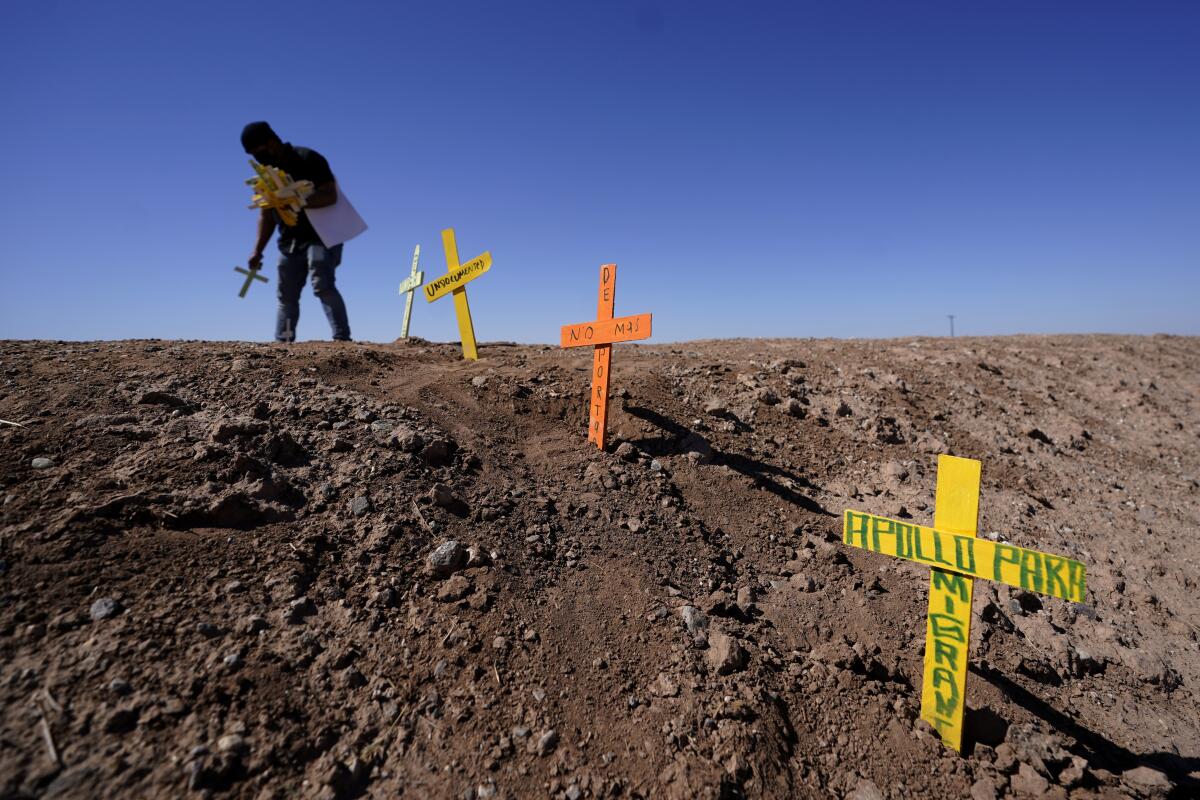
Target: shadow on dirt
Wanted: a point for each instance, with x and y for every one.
(766, 476)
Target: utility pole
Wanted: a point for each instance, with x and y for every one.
(951, 316)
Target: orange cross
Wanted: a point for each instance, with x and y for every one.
(602, 334)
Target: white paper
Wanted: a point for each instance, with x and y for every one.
(336, 223)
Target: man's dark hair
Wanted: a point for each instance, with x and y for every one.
(257, 134)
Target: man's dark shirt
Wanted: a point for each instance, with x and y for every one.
(301, 164)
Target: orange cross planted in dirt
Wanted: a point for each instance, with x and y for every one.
(603, 333)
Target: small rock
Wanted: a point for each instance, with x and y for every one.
(793, 408)
(767, 396)
(1147, 782)
(232, 743)
(1074, 773)
(694, 619)
(843, 410)
(41, 462)
(478, 557)
(437, 452)
(865, 790)
(626, 452)
(547, 742)
(802, 582)
(244, 427)
(360, 505)
(1027, 781)
(745, 599)
(500, 643)
(1006, 757)
(664, 686)
(479, 381)
(725, 654)
(408, 440)
(104, 608)
(156, 398)
(253, 624)
(716, 407)
(123, 720)
(119, 686)
(232, 661)
(983, 789)
(298, 609)
(207, 629)
(447, 558)
(456, 588)
(442, 495)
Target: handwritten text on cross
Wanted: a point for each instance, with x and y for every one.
(957, 557)
(602, 334)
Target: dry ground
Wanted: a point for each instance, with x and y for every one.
(220, 583)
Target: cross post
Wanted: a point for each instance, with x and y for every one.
(957, 557)
(409, 286)
(455, 282)
(602, 334)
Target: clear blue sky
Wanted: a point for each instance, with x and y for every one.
(756, 169)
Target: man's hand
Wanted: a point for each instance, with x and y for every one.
(255, 261)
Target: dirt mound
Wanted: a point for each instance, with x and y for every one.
(377, 570)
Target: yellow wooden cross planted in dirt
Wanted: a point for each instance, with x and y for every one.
(950, 547)
(251, 276)
(455, 282)
(602, 334)
(410, 285)
(274, 189)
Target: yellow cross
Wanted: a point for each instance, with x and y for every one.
(274, 189)
(956, 556)
(455, 282)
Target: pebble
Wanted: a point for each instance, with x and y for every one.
(456, 588)
(253, 624)
(1028, 781)
(232, 661)
(298, 609)
(208, 629)
(447, 558)
(694, 619)
(104, 608)
(360, 505)
(547, 742)
(865, 790)
(983, 789)
(436, 452)
(725, 654)
(1147, 782)
(41, 462)
(119, 686)
(442, 495)
(231, 743)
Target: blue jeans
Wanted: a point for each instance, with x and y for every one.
(296, 264)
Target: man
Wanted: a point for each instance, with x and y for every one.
(301, 252)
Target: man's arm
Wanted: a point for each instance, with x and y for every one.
(266, 226)
(324, 195)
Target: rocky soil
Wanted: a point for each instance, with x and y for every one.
(333, 571)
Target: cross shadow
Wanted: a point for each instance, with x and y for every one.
(1100, 751)
(777, 481)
